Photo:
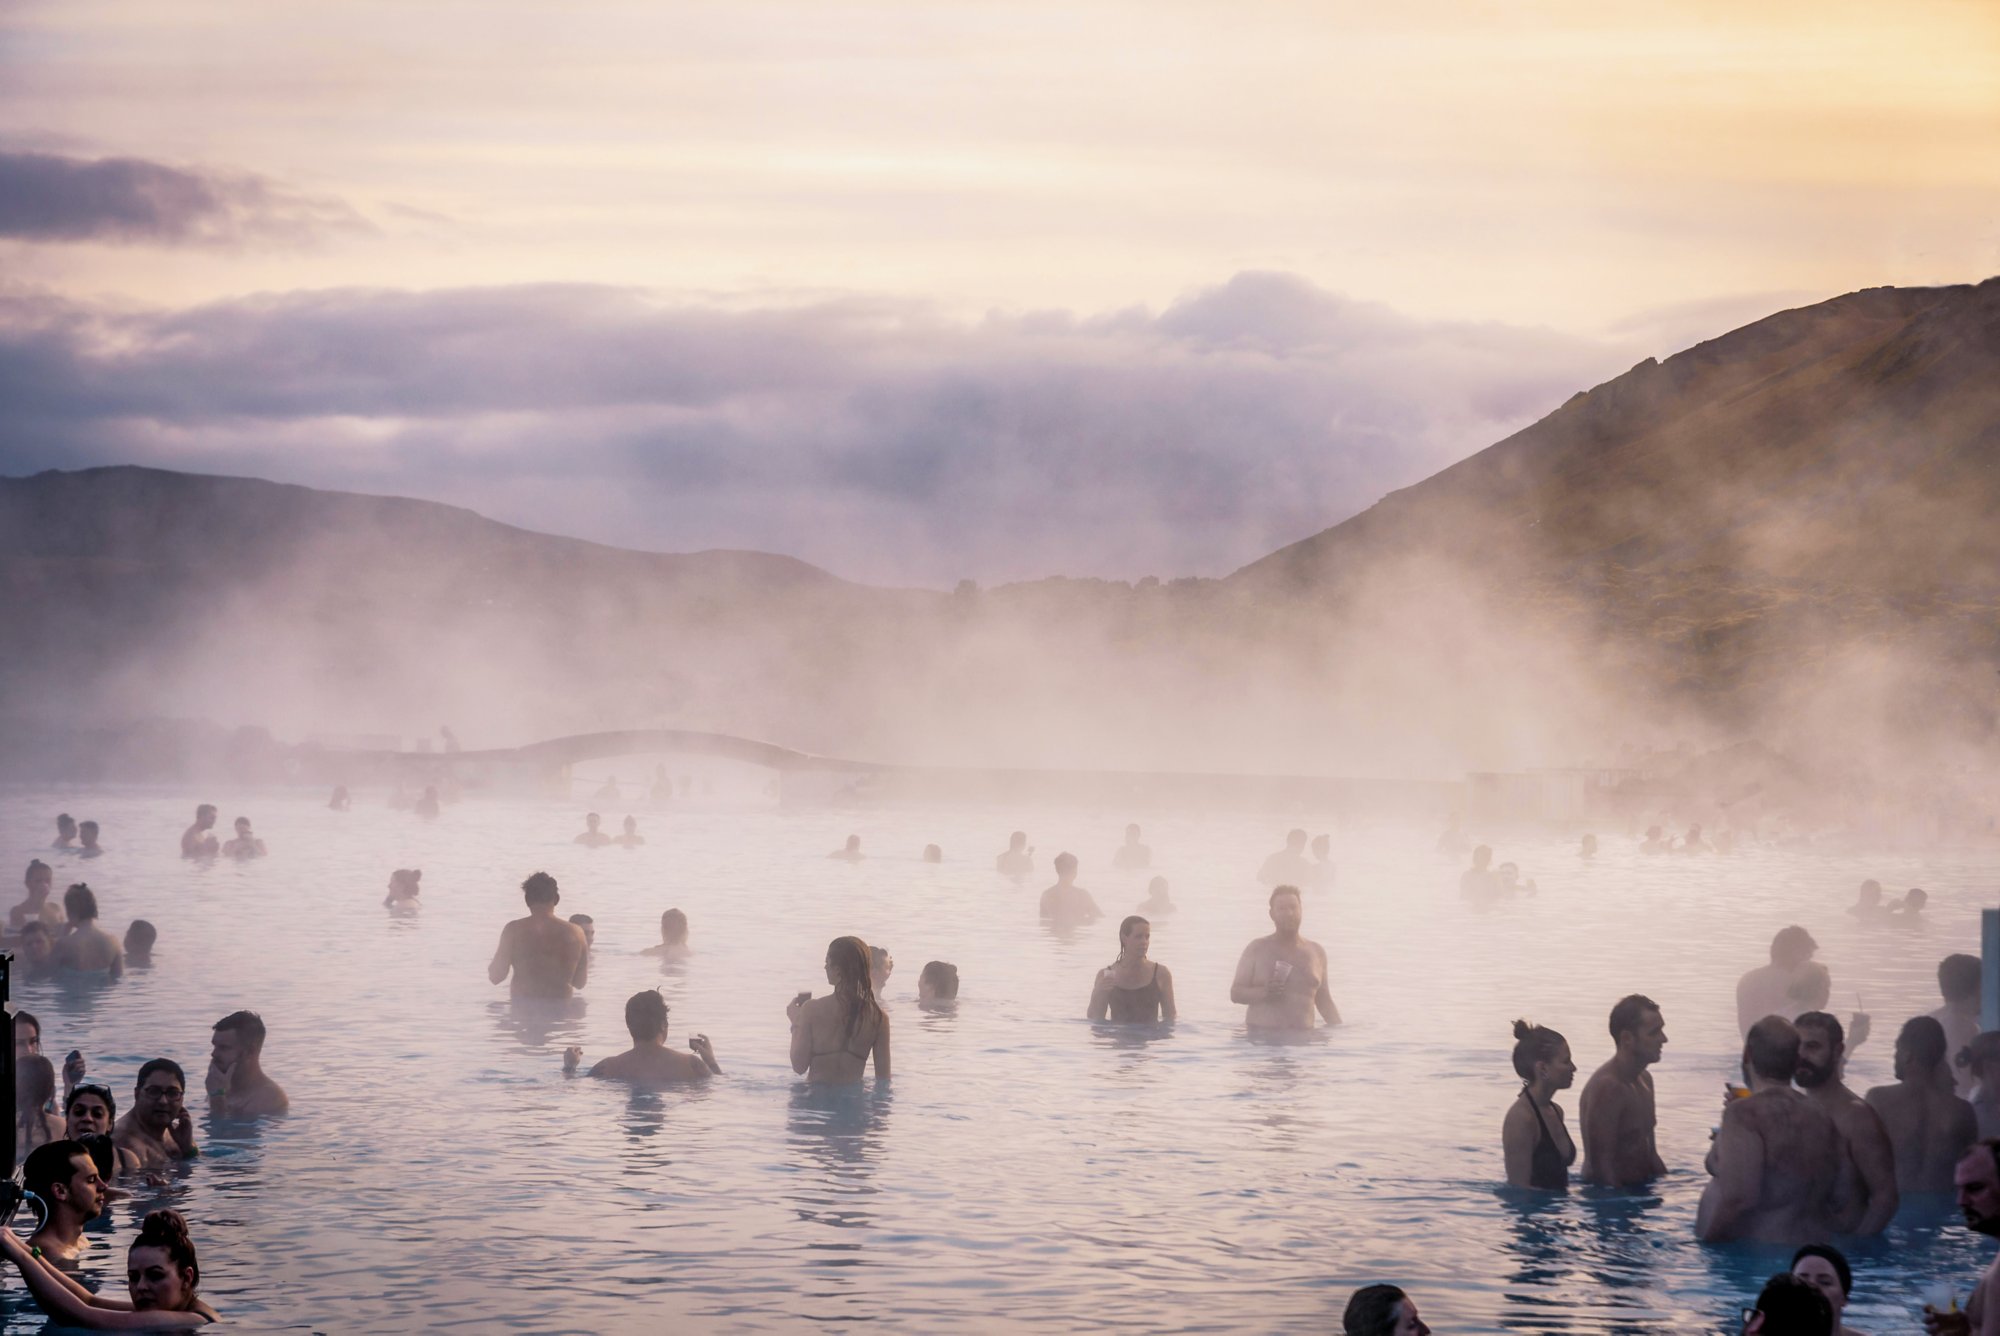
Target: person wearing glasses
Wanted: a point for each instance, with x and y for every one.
(158, 1130)
(1789, 1306)
(92, 1110)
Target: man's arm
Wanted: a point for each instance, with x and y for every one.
(503, 957)
(1875, 1161)
(1241, 990)
(1732, 1193)
(1603, 1112)
(581, 974)
(1323, 999)
(705, 1051)
(1091, 911)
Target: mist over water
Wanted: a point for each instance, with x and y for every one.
(1024, 1168)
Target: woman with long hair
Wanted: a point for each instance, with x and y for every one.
(1535, 1140)
(1381, 1310)
(834, 1036)
(1133, 990)
(160, 1277)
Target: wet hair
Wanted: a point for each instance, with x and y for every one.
(247, 1025)
(646, 1015)
(1771, 1049)
(1626, 1014)
(160, 1065)
(86, 827)
(1831, 1255)
(168, 1231)
(540, 889)
(1823, 1020)
(1065, 862)
(34, 928)
(942, 976)
(80, 902)
(1372, 1310)
(27, 1018)
(1991, 1145)
(36, 866)
(242, 823)
(65, 823)
(103, 1152)
(97, 1089)
(1292, 891)
(1794, 1307)
(673, 926)
(1131, 921)
(1923, 1038)
(1958, 977)
(34, 1085)
(850, 957)
(49, 1164)
(583, 920)
(878, 958)
(141, 936)
(1793, 941)
(1533, 1044)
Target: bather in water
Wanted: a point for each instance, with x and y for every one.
(1133, 990)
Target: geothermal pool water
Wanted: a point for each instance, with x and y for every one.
(1026, 1171)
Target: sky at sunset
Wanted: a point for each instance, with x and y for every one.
(924, 291)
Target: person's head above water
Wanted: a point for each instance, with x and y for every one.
(1017, 841)
(1976, 1180)
(591, 819)
(1981, 1057)
(1822, 1046)
(157, 1094)
(673, 927)
(1771, 1050)
(1915, 899)
(1870, 893)
(204, 815)
(40, 879)
(1825, 1267)
(66, 825)
(160, 1270)
(1156, 891)
(242, 825)
(62, 1172)
(631, 825)
(80, 903)
(1638, 1028)
(1792, 947)
(1790, 1306)
(540, 889)
(1065, 866)
(1135, 935)
(1920, 1047)
(880, 966)
(87, 832)
(1482, 856)
(646, 1016)
(938, 982)
(853, 844)
(933, 854)
(1287, 909)
(1958, 978)
(1542, 1054)
(140, 937)
(1295, 840)
(1132, 833)
(1381, 1310)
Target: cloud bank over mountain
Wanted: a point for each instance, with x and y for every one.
(877, 438)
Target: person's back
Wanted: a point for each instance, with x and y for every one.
(833, 1037)
(548, 957)
(1067, 902)
(649, 1061)
(1803, 1156)
(1289, 865)
(1959, 985)
(87, 949)
(1928, 1125)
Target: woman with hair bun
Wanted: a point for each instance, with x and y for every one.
(1534, 1138)
(160, 1274)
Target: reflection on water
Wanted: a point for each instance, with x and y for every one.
(1031, 1170)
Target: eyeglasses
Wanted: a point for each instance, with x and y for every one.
(97, 1088)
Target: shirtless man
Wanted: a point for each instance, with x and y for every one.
(157, 1129)
(237, 1085)
(1866, 1196)
(1479, 881)
(548, 957)
(1777, 1156)
(245, 845)
(1017, 859)
(592, 837)
(87, 845)
(1067, 903)
(849, 852)
(1928, 1125)
(1617, 1105)
(1282, 978)
(1977, 1180)
(39, 881)
(631, 839)
(1791, 983)
(1132, 854)
(649, 1061)
(87, 949)
(65, 831)
(198, 840)
(64, 1176)
(1322, 864)
(1289, 865)
(1958, 979)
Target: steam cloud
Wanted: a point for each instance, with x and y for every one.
(47, 197)
(880, 439)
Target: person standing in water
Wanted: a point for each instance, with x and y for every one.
(834, 1036)
(1533, 1137)
(87, 845)
(245, 845)
(1958, 979)
(1322, 865)
(157, 1129)
(87, 949)
(1777, 1156)
(649, 1061)
(64, 1176)
(548, 957)
(1981, 1060)
(160, 1277)
(1282, 978)
(1132, 855)
(405, 885)
(1928, 1125)
(37, 908)
(1825, 1268)
(65, 831)
(1017, 859)
(237, 1084)
(631, 839)
(198, 840)
(1158, 898)
(1866, 1196)
(1133, 990)
(592, 837)
(1617, 1104)
(849, 852)
(1289, 865)
(1066, 903)
(1791, 983)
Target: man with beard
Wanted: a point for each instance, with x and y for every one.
(1617, 1104)
(1777, 1155)
(1977, 1180)
(1928, 1125)
(1866, 1196)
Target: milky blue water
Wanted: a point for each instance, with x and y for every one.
(1026, 1171)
